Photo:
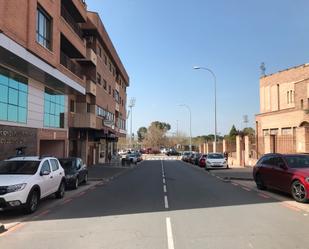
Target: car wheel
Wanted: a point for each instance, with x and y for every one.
(86, 179)
(32, 202)
(76, 183)
(61, 191)
(259, 182)
(299, 192)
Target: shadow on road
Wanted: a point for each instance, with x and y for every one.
(141, 191)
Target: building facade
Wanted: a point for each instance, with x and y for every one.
(282, 125)
(53, 99)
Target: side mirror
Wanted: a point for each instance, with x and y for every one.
(44, 173)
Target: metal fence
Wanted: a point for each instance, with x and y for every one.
(284, 144)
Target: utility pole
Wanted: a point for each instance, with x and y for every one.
(131, 105)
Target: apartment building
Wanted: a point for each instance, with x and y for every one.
(284, 99)
(52, 95)
(98, 118)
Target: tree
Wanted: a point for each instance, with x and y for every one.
(162, 125)
(233, 132)
(249, 131)
(141, 134)
(155, 136)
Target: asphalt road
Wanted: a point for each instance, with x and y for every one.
(161, 205)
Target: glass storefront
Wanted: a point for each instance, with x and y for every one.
(53, 109)
(13, 97)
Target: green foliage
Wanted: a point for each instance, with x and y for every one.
(249, 131)
(233, 132)
(161, 125)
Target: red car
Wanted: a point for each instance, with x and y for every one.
(202, 161)
(284, 172)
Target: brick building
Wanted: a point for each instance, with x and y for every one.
(62, 84)
(282, 125)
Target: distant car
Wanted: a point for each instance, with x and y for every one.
(216, 160)
(134, 157)
(185, 156)
(285, 172)
(76, 171)
(196, 158)
(191, 158)
(202, 161)
(172, 152)
(164, 150)
(24, 181)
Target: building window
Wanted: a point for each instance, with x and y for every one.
(13, 97)
(104, 84)
(110, 66)
(286, 131)
(116, 96)
(288, 97)
(72, 106)
(43, 28)
(99, 79)
(265, 132)
(105, 59)
(302, 104)
(88, 108)
(274, 131)
(53, 109)
(109, 89)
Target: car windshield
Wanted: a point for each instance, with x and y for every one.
(19, 167)
(215, 156)
(67, 163)
(186, 153)
(301, 161)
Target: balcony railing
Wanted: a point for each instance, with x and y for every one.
(70, 64)
(70, 20)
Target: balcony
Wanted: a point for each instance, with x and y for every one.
(91, 87)
(91, 58)
(85, 120)
(71, 65)
(70, 20)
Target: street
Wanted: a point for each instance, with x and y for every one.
(164, 204)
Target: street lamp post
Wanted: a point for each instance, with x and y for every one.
(215, 81)
(131, 105)
(189, 109)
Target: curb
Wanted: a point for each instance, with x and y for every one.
(228, 178)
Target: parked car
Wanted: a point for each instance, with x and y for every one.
(24, 181)
(134, 157)
(191, 158)
(185, 156)
(202, 161)
(284, 172)
(76, 171)
(216, 160)
(164, 150)
(172, 152)
(196, 158)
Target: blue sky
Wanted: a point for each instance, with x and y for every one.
(160, 41)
